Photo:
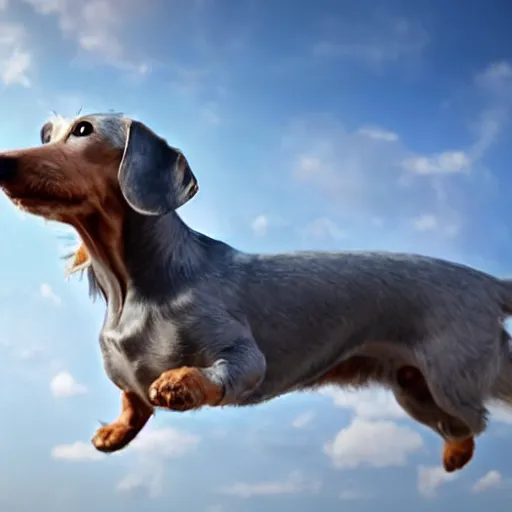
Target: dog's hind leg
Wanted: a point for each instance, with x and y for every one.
(461, 380)
(412, 394)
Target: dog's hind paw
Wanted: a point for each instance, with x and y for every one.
(457, 454)
(184, 389)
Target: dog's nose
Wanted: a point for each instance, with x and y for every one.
(8, 167)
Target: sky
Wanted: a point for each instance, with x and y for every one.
(309, 125)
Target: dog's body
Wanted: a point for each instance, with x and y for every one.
(191, 321)
(264, 325)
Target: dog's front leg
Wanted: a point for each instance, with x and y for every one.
(134, 415)
(237, 370)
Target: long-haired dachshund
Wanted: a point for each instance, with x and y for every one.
(191, 321)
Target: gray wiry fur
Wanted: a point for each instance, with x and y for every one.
(265, 325)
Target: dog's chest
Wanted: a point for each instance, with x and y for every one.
(137, 353)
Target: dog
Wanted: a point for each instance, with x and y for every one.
(192, 322)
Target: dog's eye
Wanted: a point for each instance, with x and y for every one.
(82, 129)
(46, 133)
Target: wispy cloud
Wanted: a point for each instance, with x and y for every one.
(431, 222)
(490, 480)
(76, 452)
(496, 78)
(97, 27)
(64, 385)
(431, 478)
(47, 292)
(15, 59)
(153, 447)
(260, 225)
(322, 228)
(303, 419)
(448, 162)
(377, 133)
(377, 444)
(376, 43)
(296, 483)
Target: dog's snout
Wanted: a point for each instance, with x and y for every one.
(8, 167)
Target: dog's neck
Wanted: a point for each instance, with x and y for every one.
(151, 256)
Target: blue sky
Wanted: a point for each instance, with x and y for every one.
(324, 125)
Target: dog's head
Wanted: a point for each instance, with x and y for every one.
(85, 164)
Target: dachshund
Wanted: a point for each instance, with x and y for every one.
(192, 321)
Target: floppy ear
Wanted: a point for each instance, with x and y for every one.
(154, 177)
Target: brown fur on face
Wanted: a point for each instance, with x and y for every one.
(75, 182)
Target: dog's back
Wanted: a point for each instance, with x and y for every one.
(308, 311)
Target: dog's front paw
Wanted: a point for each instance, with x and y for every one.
(184, 389)
(457, 454)
(113, 437)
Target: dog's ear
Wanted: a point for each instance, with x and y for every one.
(154, 177)
(45, 133)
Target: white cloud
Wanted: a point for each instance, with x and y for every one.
(324, 227)
(47, 293)
(259, 225)
(501, 414)
(495, 81)
(426, 222)
(359, 175)
(487, 130)
(430, 478)
(303, 419)
(377, 444)
(308, 166)
(491, 480)
(496, 77)
(296, 483)
(75, 452)
(3, 4)
(378, 134)
(15, 68)
(447, 162)
(153, 448)
(96, 26)
(64, 385)
(15, 59)
(166, 442)
(430, 222)
(366, 403)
